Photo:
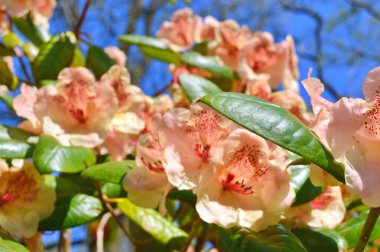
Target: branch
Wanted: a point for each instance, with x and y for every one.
(81, 18)
(193, 232)
(366, 7)
(369, 224)
(318, 40)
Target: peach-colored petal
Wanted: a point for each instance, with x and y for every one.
(117, 55)
(371, 84)
(24, 104)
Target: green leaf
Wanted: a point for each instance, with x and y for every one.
(273, 239)
(183, 195)
(210, 64)
(160, 228)
(51, 156)
(11, 246)
(112, 172)
(36, 34)
(196, 86)
(98, 61)
(11, 40)
(202, 47)
(315, 241)
(6, 76)
(78, 59)
(275, 124)
(72, 208)
(53, 56)
(153, 48)
(4, 51)
(338, 238)
(307, 193)
(352, 228)
(298, 176)
(12, 148)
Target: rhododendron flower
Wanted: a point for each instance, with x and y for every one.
(117, 55)
(231, 38)
(243, 185)
(209, 29)
(182, 31)
(77, 105)
(147, 184)
(188, 138)
(353, 135)
(262, 55)
(327, 210)
(24, 199)
(3, 20)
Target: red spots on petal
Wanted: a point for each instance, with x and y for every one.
(202, 151)
(153, 166)
(6, 198)
(323, 199)
(230, 183)
(78, 114)
(372, 123)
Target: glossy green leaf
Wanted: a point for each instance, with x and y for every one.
(196, 86)
(53, 56)
(72, 207)
(11, 246)
(98, 61)
(183, 195)
(112, 172)
(6, 76)
(315, 241)
(275, 124)
(36, 34)
(150, 220)
(51, 156)
(12, 148)
(298, 176)
(273, 239)
(352, 228)
(338, 238)
(307, 193)
(152, 47)
(210, 64)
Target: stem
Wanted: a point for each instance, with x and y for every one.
(367, 229)
(193, 233)
(81, 18)
(107, 206)
(100, 232)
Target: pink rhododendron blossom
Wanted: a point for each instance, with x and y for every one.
(117, 55)
(327, 210)
(262, 55)
(188, 138)
(3, 20)
(24, 198)
(182, 31)
(77, 111)
(147, 184)
(209, 29)
(230, 38)
(243, 185)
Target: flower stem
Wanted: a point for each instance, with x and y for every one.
(367, 229)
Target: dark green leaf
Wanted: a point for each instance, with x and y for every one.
(273, 239)
(153, 48)
(196, 86)
(112, 172)
(275, 124)
(202, 47)
(352, 228)
(34, 33)
(210, 64)
(72, 208)
(150, 220)
(98, 61)
(53, 56)
(315, 241)
(6, 76)
(338, 238)
(11, 246)
(183, 195)
(4, 51)
(307, 193)
(51, 156)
